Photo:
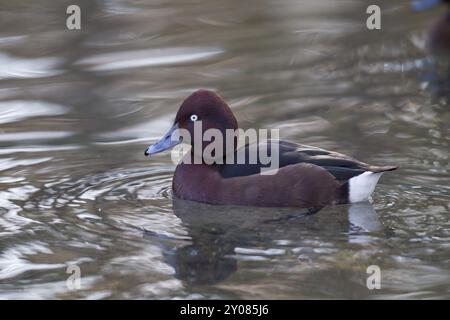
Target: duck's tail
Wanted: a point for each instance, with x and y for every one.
(378, 169)
(361, 187)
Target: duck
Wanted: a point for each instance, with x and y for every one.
(439, 35)
(306, 177)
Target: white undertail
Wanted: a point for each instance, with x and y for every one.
(361, 187)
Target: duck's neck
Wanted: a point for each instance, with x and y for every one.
(196, 182)
(203, 158)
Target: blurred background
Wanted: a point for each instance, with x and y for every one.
(78, 108)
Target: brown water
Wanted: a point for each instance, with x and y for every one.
(78, 108)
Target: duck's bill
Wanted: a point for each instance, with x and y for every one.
(170, 139)
(419, 5)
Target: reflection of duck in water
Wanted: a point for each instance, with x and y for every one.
(308, 177)
(439, 37)
(217, 232)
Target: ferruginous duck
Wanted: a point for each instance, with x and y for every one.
(439, 37)
(307, 177)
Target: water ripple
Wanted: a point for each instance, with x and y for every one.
(14, 67)
(145, 58)
(17, 110)
(14, 261)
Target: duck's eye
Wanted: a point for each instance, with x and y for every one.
(194, 117)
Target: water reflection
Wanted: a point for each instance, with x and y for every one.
(78, 108)
(14, 67)
(220, 237)
(14, 110)
(144, 58)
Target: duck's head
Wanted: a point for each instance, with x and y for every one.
(203, 109)
(419, 5)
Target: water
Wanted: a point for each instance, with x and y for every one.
(78, 108)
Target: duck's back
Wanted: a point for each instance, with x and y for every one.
(342, 167)
(357, 179)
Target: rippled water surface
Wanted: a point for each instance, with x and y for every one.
(78, 108)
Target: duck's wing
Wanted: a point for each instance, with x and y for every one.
(339, 165)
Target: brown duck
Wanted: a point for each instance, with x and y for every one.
(308, 177)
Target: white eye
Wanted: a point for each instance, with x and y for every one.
(194, 117)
